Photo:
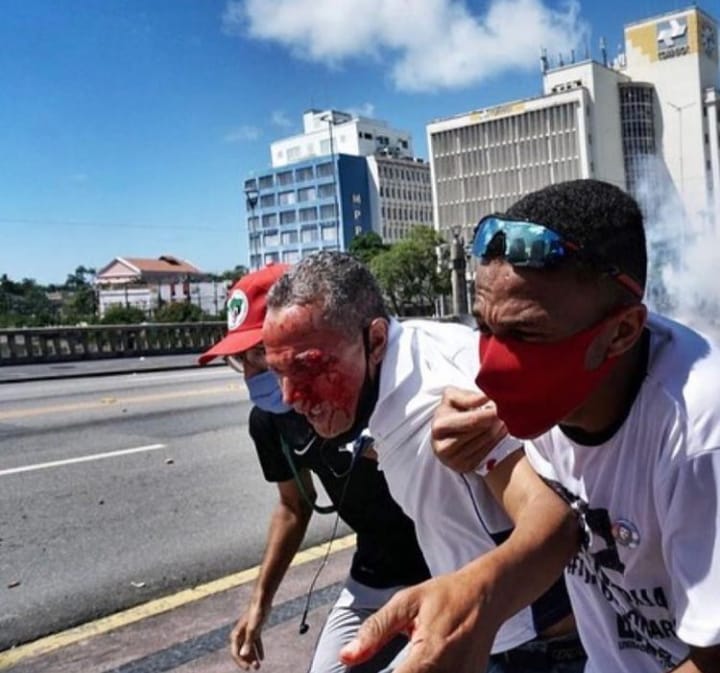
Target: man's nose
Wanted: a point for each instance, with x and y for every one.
(286, 388)
(291, 392)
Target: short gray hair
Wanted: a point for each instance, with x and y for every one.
(343, 287)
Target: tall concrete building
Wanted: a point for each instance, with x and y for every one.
(343, 176)
(646, 120)
(400, 195)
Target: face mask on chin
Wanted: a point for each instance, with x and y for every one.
(367, 398)
(265, 393)
(536, 385)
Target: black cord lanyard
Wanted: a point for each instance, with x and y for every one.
(320, 509)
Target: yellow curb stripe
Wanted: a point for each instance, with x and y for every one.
(104, 625)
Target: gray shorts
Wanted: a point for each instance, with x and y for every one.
(354, 605)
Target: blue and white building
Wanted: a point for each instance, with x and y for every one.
(319, 203)
(343, 176)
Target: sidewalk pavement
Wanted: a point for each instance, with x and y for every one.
(193, 637)
(84, 368)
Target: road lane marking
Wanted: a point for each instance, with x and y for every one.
(102, 403)
(105, 624)
(79, 384)
(81, 459)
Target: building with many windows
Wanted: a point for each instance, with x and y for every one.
(344, 176)
(297, 209)
(400, 195)
(648, 121)
(334, 132)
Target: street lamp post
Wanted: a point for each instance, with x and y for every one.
(459, 286)
(330, 119)
(679, 109)
(251, 199)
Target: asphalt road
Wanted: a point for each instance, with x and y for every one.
(118, 489)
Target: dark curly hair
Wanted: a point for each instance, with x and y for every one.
(337, 282)
(600, 217)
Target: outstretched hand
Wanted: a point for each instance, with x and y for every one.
(465, 428)
(246, 646)
(445, 620)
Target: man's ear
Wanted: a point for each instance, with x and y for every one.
(629, 329)
(377, 340)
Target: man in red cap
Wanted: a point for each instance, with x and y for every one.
(245, 313)
(387, 556)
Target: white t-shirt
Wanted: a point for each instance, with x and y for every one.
(648, 582)
(456, 517)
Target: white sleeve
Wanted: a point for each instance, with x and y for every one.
(467, 362)
(689, 514)
(539, 461)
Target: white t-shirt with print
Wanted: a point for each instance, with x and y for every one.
(456, 517)
(648, 582)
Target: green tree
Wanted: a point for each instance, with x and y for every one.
(117, 314)
(83, 277)
(81, 302)
(179, 311)
(25, 304)
(232, 275)
(366, 247)
(410, 275)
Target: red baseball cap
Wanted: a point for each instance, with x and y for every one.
(245, 312)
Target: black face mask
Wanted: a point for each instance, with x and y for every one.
(366, 401)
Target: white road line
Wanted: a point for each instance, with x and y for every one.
(81, 459)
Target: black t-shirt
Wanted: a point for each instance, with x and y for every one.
(387, 550)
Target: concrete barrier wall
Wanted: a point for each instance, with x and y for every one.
(66, 344)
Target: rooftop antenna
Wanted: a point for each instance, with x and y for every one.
(561, 63)
(543, 60)
(603, 51)
(572, 56)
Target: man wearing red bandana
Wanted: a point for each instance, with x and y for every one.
(621, 416)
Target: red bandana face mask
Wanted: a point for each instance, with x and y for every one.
(536, 385)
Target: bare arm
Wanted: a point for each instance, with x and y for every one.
(546, 533)
(701, 660)
(288, 525)
(452, 619)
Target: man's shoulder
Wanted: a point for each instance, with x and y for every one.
(684, 371)
(446, 337)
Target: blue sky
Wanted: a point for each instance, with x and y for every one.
(127, 127)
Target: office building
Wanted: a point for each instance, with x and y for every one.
(647, 120)
(297, 209)
(328, 132)
(400, 195)
(343, 176)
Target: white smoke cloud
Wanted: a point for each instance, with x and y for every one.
(429, 44)
(683, 248)
(280, 119)
(246, 133)
(364, 110)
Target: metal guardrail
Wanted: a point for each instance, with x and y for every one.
(67, 344)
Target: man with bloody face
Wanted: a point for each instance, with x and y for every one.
(619, 409)
(387, 555)
(345, 364)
